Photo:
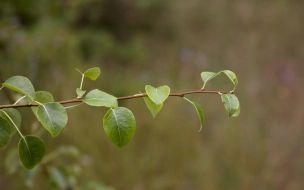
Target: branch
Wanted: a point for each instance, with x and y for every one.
(179, 94)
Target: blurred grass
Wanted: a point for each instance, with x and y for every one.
(168, 42)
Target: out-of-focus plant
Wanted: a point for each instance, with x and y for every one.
(119, 122)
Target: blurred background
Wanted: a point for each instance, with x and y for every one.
(170, 43)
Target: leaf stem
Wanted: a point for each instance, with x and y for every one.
(13, 123)
(73, 106)
(19, 100)
(75, 100)
(82, 76)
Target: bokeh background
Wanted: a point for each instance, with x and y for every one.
(170, 43)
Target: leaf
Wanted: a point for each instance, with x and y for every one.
(15, 115)
(5, 131)
(199, 111)
(157, 95)
(80, 92)
(99, 98)
(92, 73)
(42, 97)
(53, 117)
(231, 76)
(231, 103)
(206, 76)
(31, 151)
(22, 85)
(154, 109)
(119, 124)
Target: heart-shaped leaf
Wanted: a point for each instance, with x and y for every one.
(154, 109)
(92, 73)
(99, 98)
(31, 151)
(80, 92)
(5, 131)
(22, 85)
(157, 95)
(42, 97)
(231, 76)
(119, 124)
(13, 115)
(53, 117)
(231, 103)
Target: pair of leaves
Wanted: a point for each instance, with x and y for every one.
(92, 74)
(156, 97)
(207, 76)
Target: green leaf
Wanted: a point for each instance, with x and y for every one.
(154, 109)
(206, 76)
(231, 76)
(199, 111)
(80, 92)
(157, 95)
(119, 124)
(92, 73)
(15, 115)
(31, 151)
(5, 131)
(99, 98)
(22, 85)
(53, 117)
(231, 103)
(42, 97)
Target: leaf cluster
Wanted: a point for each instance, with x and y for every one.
(119, 123)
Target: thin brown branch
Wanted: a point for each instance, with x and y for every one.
(179, 94)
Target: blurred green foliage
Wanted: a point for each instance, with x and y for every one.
(164, 42)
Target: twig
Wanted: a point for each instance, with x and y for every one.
(179, 94)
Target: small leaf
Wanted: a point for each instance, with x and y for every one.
(206, 76)
(22, 85)
(99, 98)
(53, 117)
(5, 131)
(31, 151)
(154, 109)
(199, 111)
(80, 92)
(231, 76)
(92, 73)
(15, 115)
(119, 124)
(231, 103)
(42, 97)
(157, 95)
